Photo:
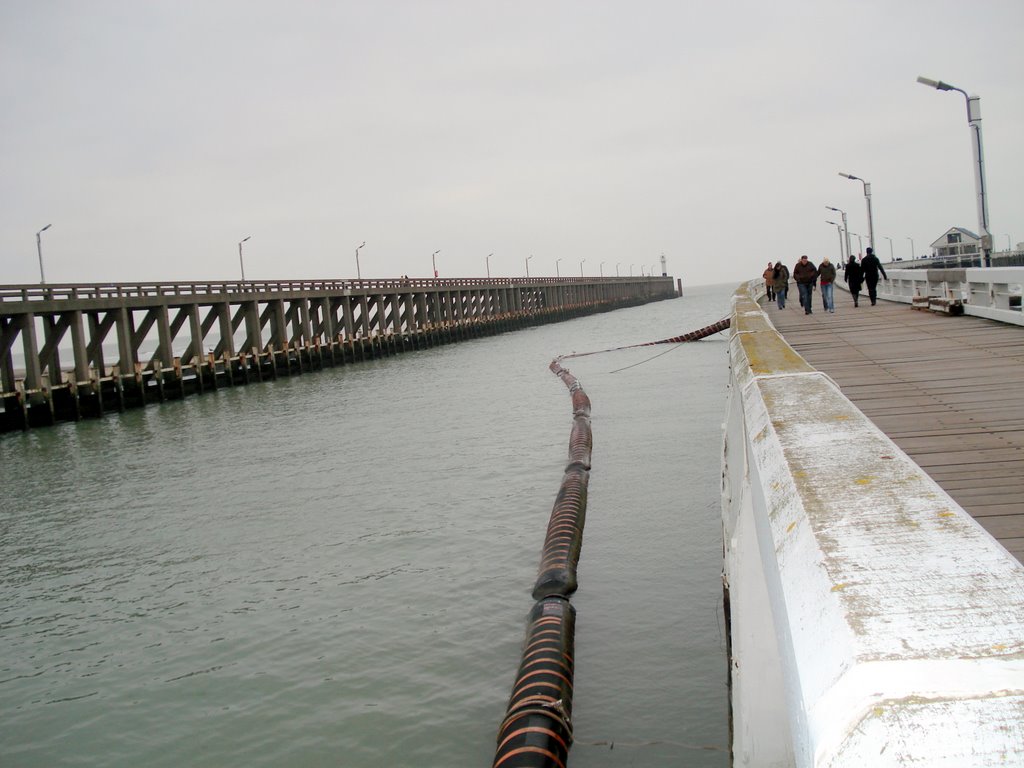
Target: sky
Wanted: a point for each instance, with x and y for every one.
(593, 136)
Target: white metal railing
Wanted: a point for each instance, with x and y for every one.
(994, 293)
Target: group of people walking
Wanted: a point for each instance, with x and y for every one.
(808, 276)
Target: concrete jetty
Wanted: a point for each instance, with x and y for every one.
(179, 339)
(872, 619)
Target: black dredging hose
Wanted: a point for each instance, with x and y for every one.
(537, 729)
(701, 333)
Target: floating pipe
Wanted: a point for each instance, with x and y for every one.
(537, 729)
(562, 544)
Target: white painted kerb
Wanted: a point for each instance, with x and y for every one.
(868, 609)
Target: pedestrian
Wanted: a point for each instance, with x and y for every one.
(827, 275)
(871, 267)
(769, 275)
(780, 283)
(854, 276)
(805, 274)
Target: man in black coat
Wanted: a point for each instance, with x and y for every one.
(872, 266)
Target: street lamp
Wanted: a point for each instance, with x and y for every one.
(433, 261)
(891, 256)
(912, 256)
(974, 122)
(600, 267)
(616, 269)
(359, 275)
(581, 267)
(489, 265)
(528, 266)
(630, 270)
(39, 249)
(1009, 245)
(867, 196)
(839, 231)
(240, 262)
(843, 213)
(860, 244)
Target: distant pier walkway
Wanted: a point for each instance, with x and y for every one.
(949, 391)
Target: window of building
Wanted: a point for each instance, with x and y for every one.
(953, 237)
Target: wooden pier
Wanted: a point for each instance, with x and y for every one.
(949, 391)
(178, 339)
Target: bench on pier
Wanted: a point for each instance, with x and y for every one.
(945, 306)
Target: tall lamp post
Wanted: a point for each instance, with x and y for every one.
(528, 266)
(867, 196)
(557, 273)
(39, 250)
(892, 257)
(433, 261)
(860, 243)
(974, 122)
(631, 270)
(600, 267)
(839, 230)
(240, 262)
(845, 229)
(489, 265)
(359, 274)
(912, 251)
(581, 267)
(617, 269)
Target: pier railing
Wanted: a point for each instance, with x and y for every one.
(993, 292)
(872, 620)
(77, 291)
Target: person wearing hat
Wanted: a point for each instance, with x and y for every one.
(871, 266)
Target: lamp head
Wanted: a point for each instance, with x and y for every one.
(937, 84)
(850, 176)
(244, 239)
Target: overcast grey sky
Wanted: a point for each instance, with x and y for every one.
(154, 136)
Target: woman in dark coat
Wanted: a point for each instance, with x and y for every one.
(854, 277)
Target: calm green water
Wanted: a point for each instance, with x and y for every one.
(334, 570)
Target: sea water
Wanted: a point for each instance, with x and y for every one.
(335, 569)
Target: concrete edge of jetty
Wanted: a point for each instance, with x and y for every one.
(871, 620)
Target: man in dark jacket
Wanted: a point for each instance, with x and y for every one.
(805, 275)
(872, 266)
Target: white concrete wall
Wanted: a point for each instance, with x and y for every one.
(873, 621)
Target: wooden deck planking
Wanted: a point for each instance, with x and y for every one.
(949, 391)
